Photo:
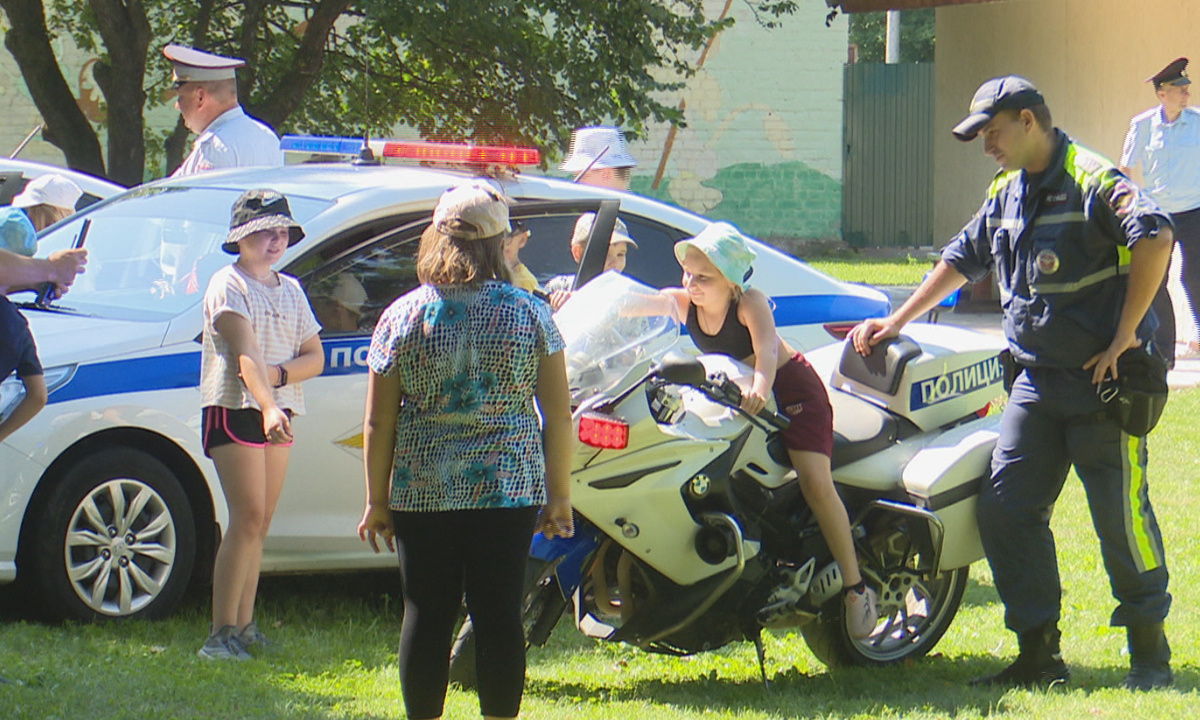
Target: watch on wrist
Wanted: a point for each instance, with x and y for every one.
(282, 376)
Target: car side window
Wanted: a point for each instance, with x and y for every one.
(653, 262)
(548, 251)
(349, 293)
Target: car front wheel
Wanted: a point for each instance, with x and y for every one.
(115, 539)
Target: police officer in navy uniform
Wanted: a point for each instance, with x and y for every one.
(1165, 142)
(206, 96)
(1079, 252)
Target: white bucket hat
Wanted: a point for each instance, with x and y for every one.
(597, 147)
(52, 189)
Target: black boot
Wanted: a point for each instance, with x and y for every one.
(1149, 658)
(1039, 662)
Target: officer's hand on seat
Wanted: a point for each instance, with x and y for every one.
(868, 333)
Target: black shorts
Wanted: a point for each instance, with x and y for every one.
(222, 426)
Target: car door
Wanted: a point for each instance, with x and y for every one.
(323, 502)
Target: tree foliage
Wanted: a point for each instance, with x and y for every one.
(489, 70)
(869, 32)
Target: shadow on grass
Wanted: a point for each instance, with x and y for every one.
(935, 684)
(979, 595)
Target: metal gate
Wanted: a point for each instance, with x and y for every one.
(887, 184)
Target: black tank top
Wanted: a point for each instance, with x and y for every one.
(733, 339)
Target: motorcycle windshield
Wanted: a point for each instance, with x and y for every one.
(611, 326)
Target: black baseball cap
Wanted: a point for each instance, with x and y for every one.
(1175, 73)
(1011, 92)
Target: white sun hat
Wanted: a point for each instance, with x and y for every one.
(52, 189)
(597, 147)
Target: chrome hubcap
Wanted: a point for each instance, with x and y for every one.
(120, 547)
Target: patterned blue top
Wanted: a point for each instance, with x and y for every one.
(468, 435)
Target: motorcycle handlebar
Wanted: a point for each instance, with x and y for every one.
(776, 420)
(725, 390)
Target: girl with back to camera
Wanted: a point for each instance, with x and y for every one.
(456, 464)
(726, 316)
(260, 340)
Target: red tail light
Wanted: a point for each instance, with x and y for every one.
(983, 411)
(601, 431)
(839, 330)
(462, 153)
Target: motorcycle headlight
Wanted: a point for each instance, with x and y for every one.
(12, 390)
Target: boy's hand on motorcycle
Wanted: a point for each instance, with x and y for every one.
(377, 522)
(556, 519)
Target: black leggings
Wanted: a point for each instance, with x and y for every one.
(443, 554)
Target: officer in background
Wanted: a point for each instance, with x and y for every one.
(1165, 142)
(207, 98)
(1079, 252)
(599, 156)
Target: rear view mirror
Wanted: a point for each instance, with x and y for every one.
(681, 369)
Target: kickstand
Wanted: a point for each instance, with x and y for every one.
(762, 659)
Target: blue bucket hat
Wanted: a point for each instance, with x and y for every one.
(725, 248)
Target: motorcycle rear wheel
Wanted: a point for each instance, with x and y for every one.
(914, 613)
(542, 607)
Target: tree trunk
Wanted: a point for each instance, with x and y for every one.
(310, 56)
(67, 128)
(126, 33)
(175, 146)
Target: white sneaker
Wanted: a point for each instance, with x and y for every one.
(861, 614)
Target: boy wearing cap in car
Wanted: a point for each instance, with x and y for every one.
(259, 342)
(559, 287)
(1165, 142)
(599, 156)
(521, 276)
(1079, 252)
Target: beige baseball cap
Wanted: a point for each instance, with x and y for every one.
(472, 211)
(583, 227)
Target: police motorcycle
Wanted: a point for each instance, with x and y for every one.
(691, 531)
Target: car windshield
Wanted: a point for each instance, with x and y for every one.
(151, 251)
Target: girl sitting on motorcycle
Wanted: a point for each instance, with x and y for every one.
(726, 316)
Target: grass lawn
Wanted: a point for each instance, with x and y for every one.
(337, 639)
(875, 271)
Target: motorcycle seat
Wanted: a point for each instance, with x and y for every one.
(860, 428)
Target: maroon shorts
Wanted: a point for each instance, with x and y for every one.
(222, 426)
(802, 397)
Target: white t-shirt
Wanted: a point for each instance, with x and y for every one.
(281, 319)
(233, 139)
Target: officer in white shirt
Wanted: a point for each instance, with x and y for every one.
(206, 96)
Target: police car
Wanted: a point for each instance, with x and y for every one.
(110, 506)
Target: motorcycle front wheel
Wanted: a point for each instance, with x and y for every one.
(540, 610)
(915, 610)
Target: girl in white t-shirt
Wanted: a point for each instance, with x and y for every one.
(260, 340)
